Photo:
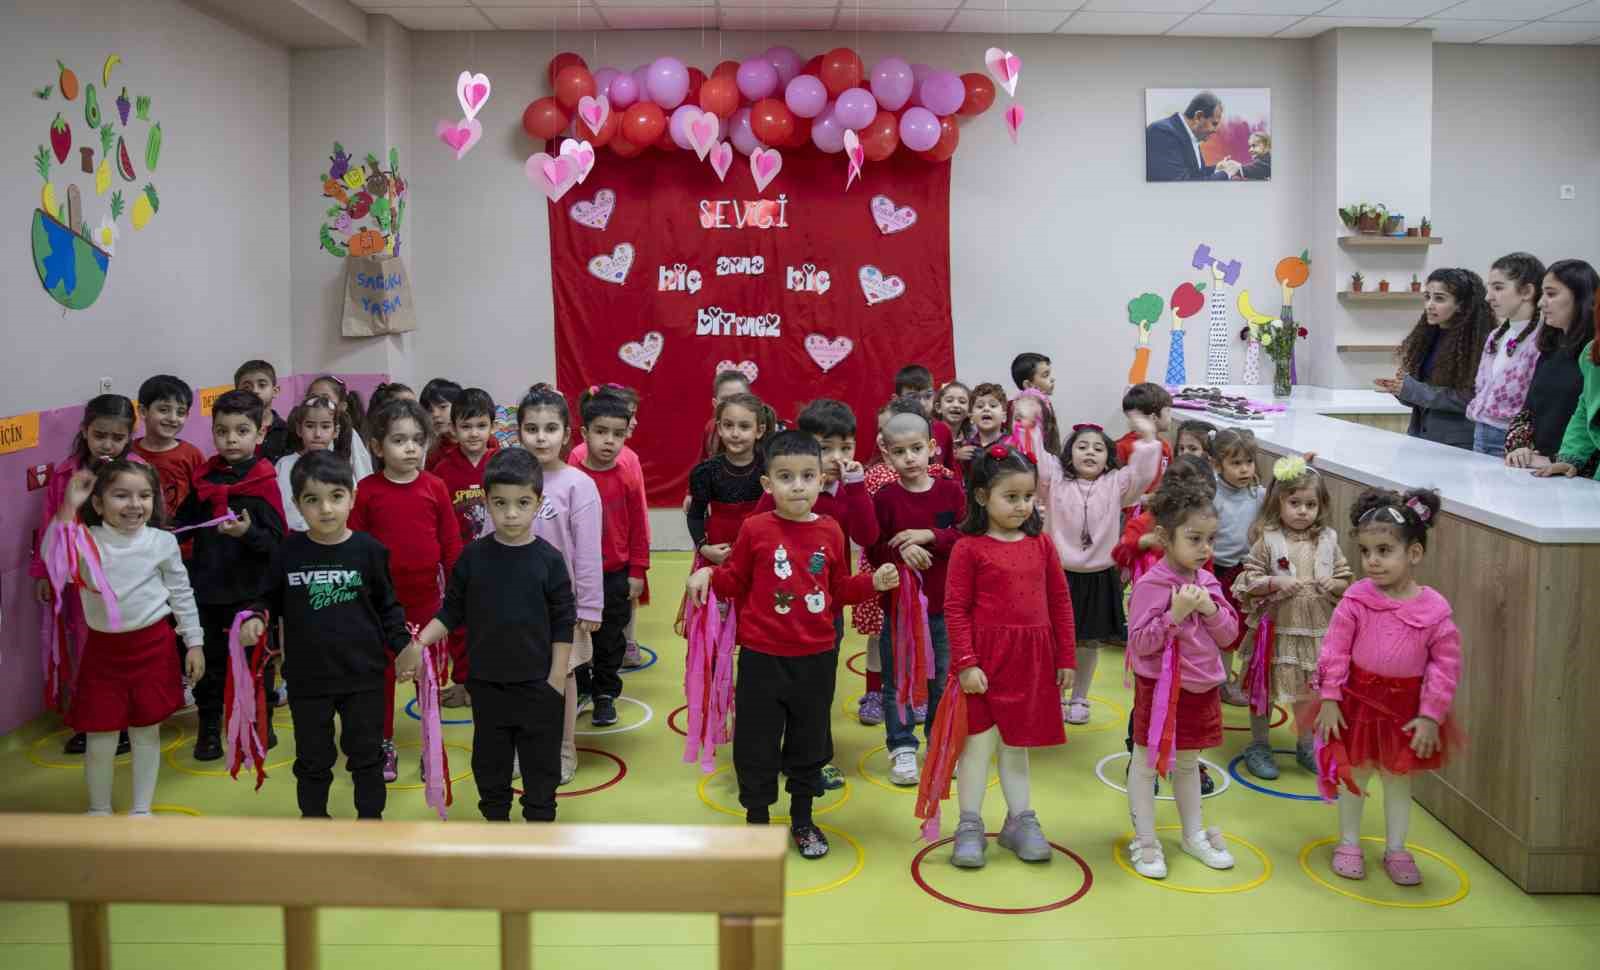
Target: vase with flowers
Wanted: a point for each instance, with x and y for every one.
(1277, 339)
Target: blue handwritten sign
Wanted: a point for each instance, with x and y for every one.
(377, 299)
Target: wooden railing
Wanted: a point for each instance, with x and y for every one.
(736, 872)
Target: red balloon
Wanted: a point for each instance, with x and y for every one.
(840, 71)
(608, 130)
(563, 60)
(802, 134)
(726, 69)
(544, 119)
(720, 96)
(573, 82)
(980, 94)
(881, 136)
(643, 123)
(697, 77)
(949, 138)
(665, 142)
(813, 67)
(623, 147)
(772, 121)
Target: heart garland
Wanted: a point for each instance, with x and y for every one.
(596, 213)
(746, 367)
(721, 159)
(459, 136)
(855, 155)
(472, 90)
(551, 175)
(826, 353)
(1005, 66)
(642, 353)
(765, 164)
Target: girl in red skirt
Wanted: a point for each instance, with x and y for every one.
(134, 589)
(1179, 621)
(1388, 669)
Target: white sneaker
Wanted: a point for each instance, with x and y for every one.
(516, 767)
(567, 774)
(1148, 860)
(903, 767)
(1210, 849)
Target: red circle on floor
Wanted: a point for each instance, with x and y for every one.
(677, 730)
(850, 660)
(622, 772)
(1088, 883)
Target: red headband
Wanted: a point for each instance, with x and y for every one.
(1087, 427)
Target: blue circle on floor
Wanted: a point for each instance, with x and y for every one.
(411, 712)
(1234, 773)
(644, 666)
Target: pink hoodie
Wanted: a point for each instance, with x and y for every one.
(1393, 638)
(1150, 628)
(1073, 507)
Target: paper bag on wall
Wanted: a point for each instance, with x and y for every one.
(377, 297)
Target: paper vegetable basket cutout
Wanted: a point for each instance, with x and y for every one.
(368, 205)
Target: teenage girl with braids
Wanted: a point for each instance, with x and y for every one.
(1439, 359)
(1511, 352)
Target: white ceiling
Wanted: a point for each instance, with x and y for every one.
(1452, 21)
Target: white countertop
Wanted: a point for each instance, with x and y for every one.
(1474, 487)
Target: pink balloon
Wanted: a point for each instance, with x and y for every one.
(740, 133)
(757, 79)
(919, 129)
(786, 62)
(624, 90)
(855, 108)
(892, 83)
(919, 73)
(678, 126)
(826, 132)
(603, 79)
(943, 92)
(805, 96)
(667, 80)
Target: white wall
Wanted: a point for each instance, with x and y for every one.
(206, 284)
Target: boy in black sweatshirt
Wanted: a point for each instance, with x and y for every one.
(228, 567)
(514, 587)
(332, 589)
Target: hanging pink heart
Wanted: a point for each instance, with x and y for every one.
(1014, 121)
(594, 111)
(1005, 66)
(765, 164)
(472, 90)
(828, 353)
(459, 135)
(855, 155)
(702, 130)
(580, 152)
(552, 176)
(721, 159)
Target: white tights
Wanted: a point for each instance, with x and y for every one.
(1088, 658)
(972, 773)
(569, 726)
(99, 757)
(1396, 810)
(1185, 780)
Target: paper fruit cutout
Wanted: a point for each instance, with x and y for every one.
(855, 155)
(1014, 121)
(152, 148)
(765, 164)
(551, 175)
(1292, 273)
(721, 156)
(891, 219)
(141, 107)
(594, 111)
(472, 90)
(878, 288)
(581, 152)
(1005, 67)
(459, 136)
(613, 268)
(642, 353)
(125, 161)
(1255, 323)
(596, 213)
(1186, 302)
(124, 106)
(68, 82)
(746, 367)
(1143, 312)
(828, 353)
(702, 131)
(112, 60)
(91, 107)
(60, 139)
(360, 192)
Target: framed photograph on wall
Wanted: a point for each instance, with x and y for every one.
(1208, 134)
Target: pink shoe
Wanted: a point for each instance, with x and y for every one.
(1402, 868)
(1347, 862)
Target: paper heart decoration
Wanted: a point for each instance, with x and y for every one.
(890, 219)
(613, 268)
(582, 153)
(459, 135)
(1005, 66)
(721, 159)
(702, 130)
(827, 353)
(746, 367)
(877, 287)
(594, 111)
(765, 164)
(595, 214)
(855, 155)
(642, 353)
(552, 176)
(1014, 121)
(472, 90)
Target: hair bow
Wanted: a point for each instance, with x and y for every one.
(998, 451)
(1288, 468)
(317, 401)
(1423, 512)
(1087, 427)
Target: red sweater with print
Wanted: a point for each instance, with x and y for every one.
(849, 504)
(416, 522)
(939, 510)
(624, 532)
(463, 481)
(787, 580)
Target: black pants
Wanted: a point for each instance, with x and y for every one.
(216, 621)
(611, 640)
(361, 736)
(784, 706)
(524, 719)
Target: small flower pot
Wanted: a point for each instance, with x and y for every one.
(1413, 231)
(1416, 287)
(1427, 230)
(1356, 287)
(1383, 286)
(1368, 224)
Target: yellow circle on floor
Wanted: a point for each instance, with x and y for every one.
(418, 785)
(1104, 715)
(37, 756)
(1377, 877)
(1179, 858)
(861, 768)
(186, 766)
(798, 864)
(729, 788)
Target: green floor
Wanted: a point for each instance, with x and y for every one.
(860, 906)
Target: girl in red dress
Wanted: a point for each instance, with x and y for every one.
(1012, 652)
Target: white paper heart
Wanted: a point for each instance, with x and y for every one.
(721, 159)
(1005, 67)
(613, 268)
(461, 135)
(877, 287)
(746, 367)
(828, 353)
(552, 176)
(854, 155)
(594, 111)
(765, 164)
(597, 213)
(581, 152)
(472, 90)
(702, 129)
(642, 353)
(890, 219)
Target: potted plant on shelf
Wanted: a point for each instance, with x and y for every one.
(1349, 215)
(1394, 225)
(1383, 286)
(1416, 284)
(1357, 281)
(1427, 227)
(1372, 217)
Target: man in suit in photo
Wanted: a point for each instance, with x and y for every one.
(1172, 145)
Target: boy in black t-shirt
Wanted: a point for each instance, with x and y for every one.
(332, 588)
(515, 588)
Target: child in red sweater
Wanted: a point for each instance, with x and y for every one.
(164, 403)
(460, 465)
(787, 573)
(1152, 401)
(410, 512)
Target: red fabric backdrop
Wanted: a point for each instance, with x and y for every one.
(660, 205)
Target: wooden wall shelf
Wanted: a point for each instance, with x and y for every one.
(1367, 348)
(1397, 299)
(1389, 242)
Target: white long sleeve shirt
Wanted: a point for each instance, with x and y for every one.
(147, 574)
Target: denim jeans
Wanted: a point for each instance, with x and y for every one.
(1488, 440)
(901, 734)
